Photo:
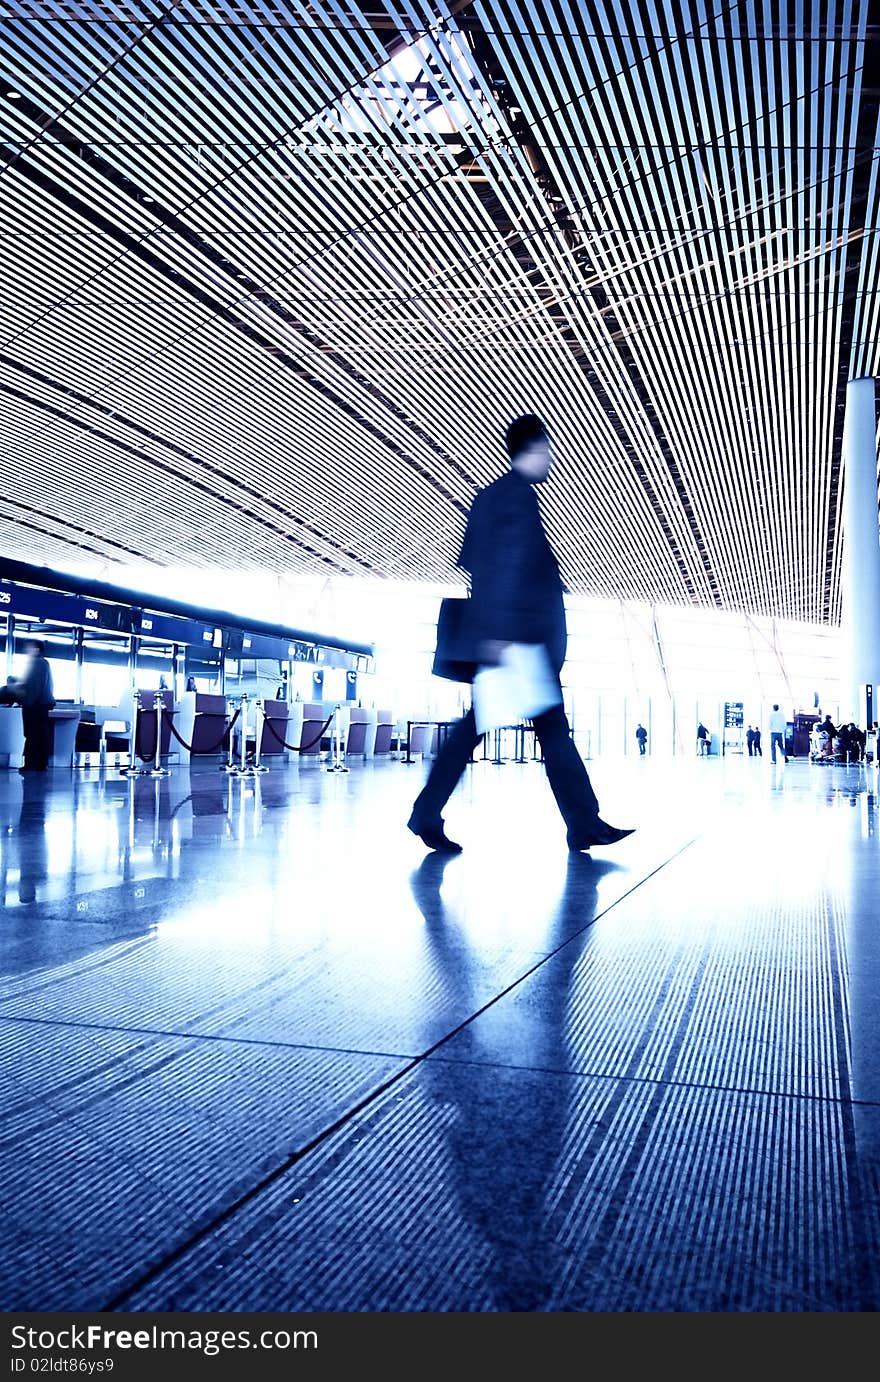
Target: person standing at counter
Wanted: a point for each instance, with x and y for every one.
(35, 695)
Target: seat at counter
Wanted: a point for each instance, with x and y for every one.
(11, 737)
(314, 715)
(384, 728)
(420, 739)
(358, 724)
(274, 733)
(210, 722)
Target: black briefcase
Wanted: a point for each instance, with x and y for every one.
(454, 659)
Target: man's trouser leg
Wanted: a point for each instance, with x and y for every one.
(568, 777)
(37, 733)
(447, 768)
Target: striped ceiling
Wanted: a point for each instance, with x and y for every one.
(275, 275)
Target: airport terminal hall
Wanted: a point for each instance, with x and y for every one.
(439, 656)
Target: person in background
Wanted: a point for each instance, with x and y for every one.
(35, 695)
(750, 741)
(642, 737)
(190, 683)
(827, 726)
(871, 743)
(844, 742)
(860, 739)
(776, 725)
(703, 739)
(756, 742)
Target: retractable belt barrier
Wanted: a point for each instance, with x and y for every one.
(299, 748)
(165, 716)
(189, 747)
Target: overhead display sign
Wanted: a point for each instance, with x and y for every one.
(74, 610)
(51, 606)
(173, 630)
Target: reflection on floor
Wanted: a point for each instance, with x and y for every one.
(261, 1052)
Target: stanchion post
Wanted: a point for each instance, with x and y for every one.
(244, 729)
(132, 769)
(229, 766)
(157, 770)
(259, 721)
(331, 766)
(337, 765)
(341, 765)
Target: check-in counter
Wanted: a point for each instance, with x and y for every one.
(146, 727)
(103, 734)
(11, 737)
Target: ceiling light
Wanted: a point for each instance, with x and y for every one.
(13, 95)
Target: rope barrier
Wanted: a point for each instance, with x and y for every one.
(298, 748)
(293, 748)
(214, 747)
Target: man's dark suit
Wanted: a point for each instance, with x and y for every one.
(516, 597)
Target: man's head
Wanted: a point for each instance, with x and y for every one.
(34, 648)
(775, 706)
(528, 447)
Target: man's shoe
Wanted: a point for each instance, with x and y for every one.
(613, 834)
(578, 843)
(433, 835)
(599, 833)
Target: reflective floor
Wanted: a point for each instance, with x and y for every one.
(261, 1052)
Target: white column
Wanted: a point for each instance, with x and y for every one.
(860, 572)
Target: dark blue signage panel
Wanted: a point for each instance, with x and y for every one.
(185, 631)
(46, 605)
(259, 645)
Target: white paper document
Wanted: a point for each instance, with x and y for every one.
(521, 686)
